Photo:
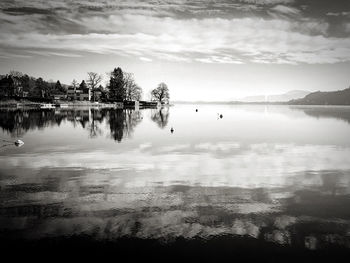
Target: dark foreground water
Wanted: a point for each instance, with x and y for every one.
(261, 181)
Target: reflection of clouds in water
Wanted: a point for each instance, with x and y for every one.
(186, 186)
(169, 222)
(255, 165)
(284, 221)
(98, 205)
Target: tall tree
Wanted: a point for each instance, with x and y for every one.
(17, 88)
(28, 84)
(82, 85)
(6, 86)
(93, 80)
(41, 88)
(16, 73)
(132, 90)
(116, 85)
(161, 93)
(59, 88)
(75, 83)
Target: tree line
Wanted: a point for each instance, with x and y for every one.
(121, 87)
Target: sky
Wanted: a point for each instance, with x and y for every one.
(210, 50)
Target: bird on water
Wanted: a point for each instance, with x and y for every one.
(17, 143)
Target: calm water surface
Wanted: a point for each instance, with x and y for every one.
(274, 173)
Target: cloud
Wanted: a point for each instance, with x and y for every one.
(149, 31)
(267, 2)
(50, 53)
(286, 9)
(219, 59)
(211, 40)
(146, 59)
(338, 14)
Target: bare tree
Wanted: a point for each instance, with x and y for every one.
(74, 83)
(133, 91)
(16, 74)
(93, 80)
(161, 93)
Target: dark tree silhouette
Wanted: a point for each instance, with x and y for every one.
(28, 84)
(7, 86)
(11, 84)
(132, 90)
(41, 88)
(59, 88)
(116, 85)
(83, 85)
(161, 93)
(93, 80)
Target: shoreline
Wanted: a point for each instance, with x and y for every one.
(27, 104)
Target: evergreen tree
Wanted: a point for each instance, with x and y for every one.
(40, 88)
(28, 84)
(58, 87)
(116, 85)
(83, 85)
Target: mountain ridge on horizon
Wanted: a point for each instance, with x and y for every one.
(339, 97)
(283, 97)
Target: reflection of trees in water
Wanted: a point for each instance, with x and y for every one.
(133, 118)
(116, 124)
(161, 117)
(97, 117)
(18, 122)
(81, 116)
(123, 122)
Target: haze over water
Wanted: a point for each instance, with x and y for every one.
(265, 172)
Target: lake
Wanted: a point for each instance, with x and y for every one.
(276, 174)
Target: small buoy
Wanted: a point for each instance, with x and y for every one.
(19, 143)
(221, 116)
(171, 130)
(196, 110)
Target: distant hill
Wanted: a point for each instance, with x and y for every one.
(341, 97)
(290, 95)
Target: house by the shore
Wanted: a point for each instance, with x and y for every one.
(82, 94)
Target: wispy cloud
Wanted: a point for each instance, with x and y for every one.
(50, 53)
(146, 59)
(267, 31)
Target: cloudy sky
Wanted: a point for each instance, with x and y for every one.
(203, 49)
